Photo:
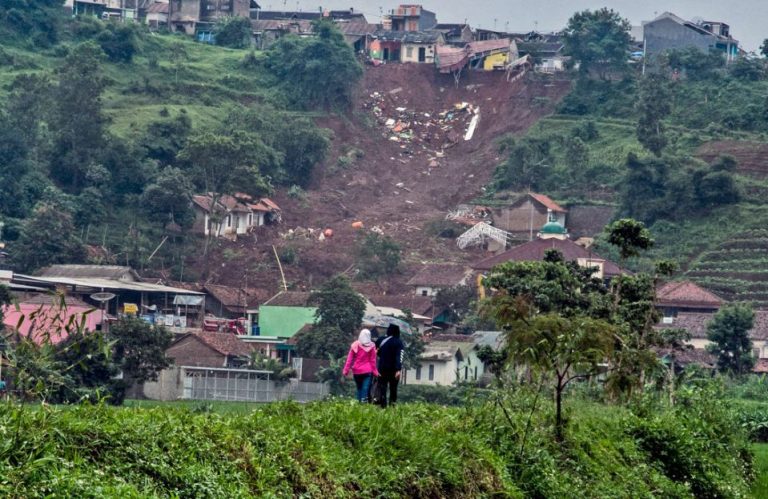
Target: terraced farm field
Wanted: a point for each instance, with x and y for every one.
(737, 270)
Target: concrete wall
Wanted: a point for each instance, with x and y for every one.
(666, 34)
(410, 53)
(175, 384)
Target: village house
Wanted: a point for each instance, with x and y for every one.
(233, 215)
(411, 17)
(668, 32)
(548, 56)
(156, 15)
(523, 217)
(449, 359)
(199, 17)
(230, 302)
(405, 46)
(130, 294)
(554, 239)
(209, 349)
(455, 34)
(105, 9)
(432, 278)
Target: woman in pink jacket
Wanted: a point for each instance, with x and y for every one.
(362, 361)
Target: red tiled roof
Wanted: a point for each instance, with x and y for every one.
(686, 294)
(158, 8)
(224, 343)
(547, 202)
(534, 251)
(265, 204)
(226, 202)
(696, 324)
(439, 275)
(235, 299)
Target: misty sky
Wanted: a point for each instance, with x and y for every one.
(747, 18)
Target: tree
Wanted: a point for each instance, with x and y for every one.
(47, 237)
(167, 198)
(457, 300)
(178, 55)
(139, 349)
(119, 42)
(629, 236)
(747, 69)
(653, 105)
(377, 256)
(764, 48)
(166, 137)
(318, 71)
(223, 164)
(6, 298)
(696, 66)
(729, 333)
(77, 120)
(339, 306)
(322, 342)
(85, 357)
(528, 164)
(598, 40)
(234, 32)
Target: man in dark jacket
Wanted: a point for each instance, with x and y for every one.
(390, 350)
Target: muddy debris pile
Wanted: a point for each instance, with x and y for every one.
(422, 134)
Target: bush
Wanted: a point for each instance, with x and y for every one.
(234, 32)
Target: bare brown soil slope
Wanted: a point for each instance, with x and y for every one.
(397, 187)
(751, 156)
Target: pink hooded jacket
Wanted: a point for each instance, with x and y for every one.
(361, 359)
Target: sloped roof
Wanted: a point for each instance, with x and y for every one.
(281, 15)
(236, 299)
(451, 58)
(55, 300)
(493, 339)
(691, 25)
(690, 355)
(112, 272)
(158, 8)
(535, 250)
(281, 25)
(686, 294)
(357, 28)
(540, 48)
(453, 338)
(408, 36)
(547, 202)
(224, 343)
(421, 305)
(441, 351)
(489, 45)
(226, 202)
(696, 324)
(266, 205)
(440, 275)
(289, 299)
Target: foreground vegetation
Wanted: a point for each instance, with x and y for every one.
(342, 449)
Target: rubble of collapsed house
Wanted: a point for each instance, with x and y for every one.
(481, 233)
(421, 134)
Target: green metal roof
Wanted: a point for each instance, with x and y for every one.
(552, 228)
(284, 322)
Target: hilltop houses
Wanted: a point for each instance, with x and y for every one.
(668, 32)
(231, 216)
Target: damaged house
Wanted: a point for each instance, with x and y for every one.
(232, 215)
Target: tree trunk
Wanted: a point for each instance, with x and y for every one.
(559, 433)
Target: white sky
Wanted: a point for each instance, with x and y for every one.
(748, 18)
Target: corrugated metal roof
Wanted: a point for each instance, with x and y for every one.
(113, 272)
(98, 283)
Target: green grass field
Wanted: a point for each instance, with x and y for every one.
(760, 486)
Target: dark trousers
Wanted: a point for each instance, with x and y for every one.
(363, 384)
(387, 379)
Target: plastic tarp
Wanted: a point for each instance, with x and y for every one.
(189, 300)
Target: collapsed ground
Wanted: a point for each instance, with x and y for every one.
(399, 161)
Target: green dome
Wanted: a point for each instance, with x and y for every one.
(552, 227)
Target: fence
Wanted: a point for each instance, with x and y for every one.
(243, 385)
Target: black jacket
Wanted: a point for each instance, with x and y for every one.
(390, 353)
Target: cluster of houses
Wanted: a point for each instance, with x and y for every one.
(408, 33)
(222, 327)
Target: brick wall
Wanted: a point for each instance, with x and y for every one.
(192, 352)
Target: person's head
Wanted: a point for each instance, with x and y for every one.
(365, 337)
(393, 330)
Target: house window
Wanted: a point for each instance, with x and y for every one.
(423, 292)
(431, 372)
(418, 372)
(475, 372)
(409, 52)
(466, 372)
(229, 220)
(250, 219)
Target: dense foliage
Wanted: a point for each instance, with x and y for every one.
(342, 450)
(108, 132)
